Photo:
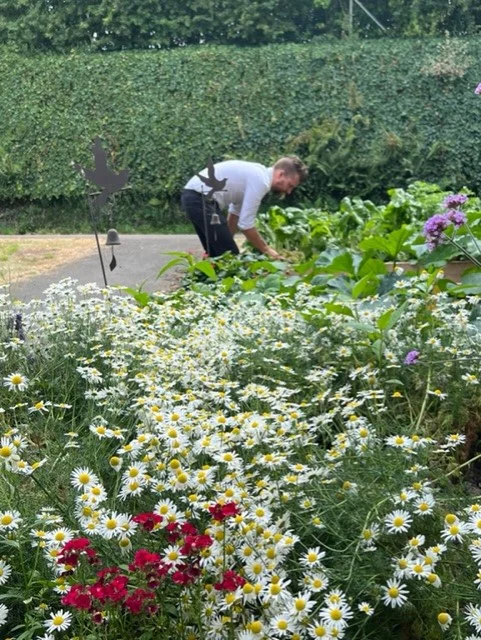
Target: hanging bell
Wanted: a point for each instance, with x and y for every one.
(112, 238)
(215, 218)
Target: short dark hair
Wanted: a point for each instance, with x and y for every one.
(292, 164)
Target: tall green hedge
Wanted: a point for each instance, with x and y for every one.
(363, 114)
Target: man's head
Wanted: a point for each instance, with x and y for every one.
(288, 173)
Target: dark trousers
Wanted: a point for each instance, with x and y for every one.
(216, 238)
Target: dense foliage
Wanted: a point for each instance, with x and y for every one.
(163, 113)
(275, 450)
(110, 25)
(240, 466)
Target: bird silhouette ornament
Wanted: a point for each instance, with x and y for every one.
(107, 180)
(211, 181)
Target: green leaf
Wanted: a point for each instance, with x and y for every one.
(228, 283)
(248, 285)
(265, 265)
(440, 255)
(141, 297)
(392, 245)
(169, 265)
(363, 327)
(340, 264)
(372, 266)
(362, 286)
(304, 267)
(383, 320)
(206, 267)
(339, 309)
(470, 283)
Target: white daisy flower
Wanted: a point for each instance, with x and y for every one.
(394, 594)
(398, 521)
(15, 382)
(366, 608)
(82, 478)
(59, 621)
(9, 520)
(473, 616)
(5, 571)
(3, 614)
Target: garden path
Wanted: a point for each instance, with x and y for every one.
(139, 259)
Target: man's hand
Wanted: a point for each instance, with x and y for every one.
(272, 253)
(260, 244)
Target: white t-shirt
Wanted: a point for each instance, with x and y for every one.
(247, 183)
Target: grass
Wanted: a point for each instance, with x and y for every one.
(7, 250)
(24, 258)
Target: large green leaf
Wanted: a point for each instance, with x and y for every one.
(205, 267)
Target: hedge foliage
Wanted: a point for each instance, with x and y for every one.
(114, 25)
(365, 115)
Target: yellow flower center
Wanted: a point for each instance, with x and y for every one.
(300, 604)
(256, 626)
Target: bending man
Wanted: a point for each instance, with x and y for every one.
(242, 185)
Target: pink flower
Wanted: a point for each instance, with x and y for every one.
(477, 91)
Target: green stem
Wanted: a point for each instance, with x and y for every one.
(425, 401)
(456, 469)
(475, 240)
(54, 500)
(463, 250)
(356, 550)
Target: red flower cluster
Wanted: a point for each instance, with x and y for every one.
(148, 568)
(230, 581)
(222, 511)
(148, 520)
(112, 588)
(71, 552)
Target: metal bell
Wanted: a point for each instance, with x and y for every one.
(215, 219)
(112, 238)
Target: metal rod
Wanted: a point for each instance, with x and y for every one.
(351, 15)
(92, 219)
(374, 19)
(205, 224)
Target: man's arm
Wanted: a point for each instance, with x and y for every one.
(246, 222)
(232, 220)
(259, 243)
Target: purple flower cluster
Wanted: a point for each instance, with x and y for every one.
(411, 357)
(454, 200)
(435, 226)
(433, 230)
(477, 91)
